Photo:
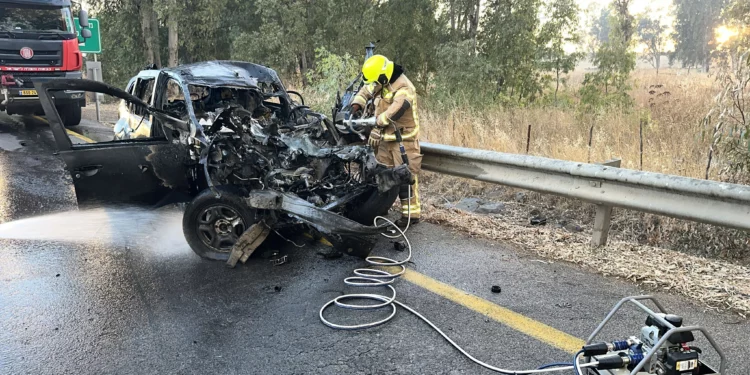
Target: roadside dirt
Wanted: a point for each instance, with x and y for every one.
(717, 284)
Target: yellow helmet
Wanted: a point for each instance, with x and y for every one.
(377, 69)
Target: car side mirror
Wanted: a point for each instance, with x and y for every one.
(85, 33)
(83, 20)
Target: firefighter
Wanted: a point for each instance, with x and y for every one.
(395, 101)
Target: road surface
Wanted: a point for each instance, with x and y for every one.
(132, 298)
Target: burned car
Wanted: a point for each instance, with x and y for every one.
(227, 138)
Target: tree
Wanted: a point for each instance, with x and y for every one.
(508, 42)
(695, 23)
(463, 19)
(615, 61)
(653, 34)
(728, 122)
(598, 32)
(414, 42)
(560, 30)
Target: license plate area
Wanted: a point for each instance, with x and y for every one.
(28, 92)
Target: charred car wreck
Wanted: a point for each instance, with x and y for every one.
(227, 138)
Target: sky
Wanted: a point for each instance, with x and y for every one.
(637, 6)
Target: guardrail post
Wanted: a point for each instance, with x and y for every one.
(603, 215)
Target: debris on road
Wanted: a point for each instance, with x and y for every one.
(279, 260)
(538, 220)
(496, 289)
(399, 245)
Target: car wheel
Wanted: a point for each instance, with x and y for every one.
(372, 204)
(212, 225)
(70, 114)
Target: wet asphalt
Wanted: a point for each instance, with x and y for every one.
(138, 301)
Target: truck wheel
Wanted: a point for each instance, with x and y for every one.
(213, 225)
(371, 204)
(70, 114)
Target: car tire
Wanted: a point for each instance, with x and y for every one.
(70, 114)
(212, 224)
(370, 205)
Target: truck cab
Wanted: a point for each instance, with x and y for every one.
(38, 42)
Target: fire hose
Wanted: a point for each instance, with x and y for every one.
(378, 277)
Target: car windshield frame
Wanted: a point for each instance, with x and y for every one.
(62, 17)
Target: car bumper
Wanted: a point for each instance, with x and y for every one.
(25, 99)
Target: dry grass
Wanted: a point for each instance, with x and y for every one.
(714, 283)
(672, 138)
(672, 104)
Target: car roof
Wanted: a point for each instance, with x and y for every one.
(227, 73)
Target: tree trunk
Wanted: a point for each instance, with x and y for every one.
(303, 67)
(474, 26)
(173, 39)
(150, 32)
(657, 63)
(452, 11)
(155, 36)
(557, 83)
(145, 10)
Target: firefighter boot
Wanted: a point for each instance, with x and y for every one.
(411, 209)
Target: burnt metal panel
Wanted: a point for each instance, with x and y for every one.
(134, 173)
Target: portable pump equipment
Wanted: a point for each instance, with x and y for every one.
(662, 348)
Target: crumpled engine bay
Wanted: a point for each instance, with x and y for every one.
(249, 147)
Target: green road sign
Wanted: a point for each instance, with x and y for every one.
(93, 44)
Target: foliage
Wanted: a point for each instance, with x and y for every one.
(728, 122)
(615, 60)
(695, 22)
(512, 60)
(331, 73)
(598, 32)
(653, 34)
(122, 36)
(482, 52)
(560, 29)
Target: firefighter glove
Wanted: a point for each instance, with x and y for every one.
(374, 139)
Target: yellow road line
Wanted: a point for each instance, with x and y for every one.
(521, 323)
(80, 136)
(70, 132)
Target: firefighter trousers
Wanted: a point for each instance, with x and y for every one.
(390, 155)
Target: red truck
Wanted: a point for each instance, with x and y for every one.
(38, 42)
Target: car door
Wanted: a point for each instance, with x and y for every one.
(148, 171)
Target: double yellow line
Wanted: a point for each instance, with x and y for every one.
(70, 132)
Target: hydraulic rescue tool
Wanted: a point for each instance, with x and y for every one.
(359, 126)
(663, 347)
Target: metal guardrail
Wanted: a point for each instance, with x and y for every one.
(702, 201)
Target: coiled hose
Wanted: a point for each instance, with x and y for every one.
(377, 277)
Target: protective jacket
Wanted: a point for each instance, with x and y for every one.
(395, 102)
